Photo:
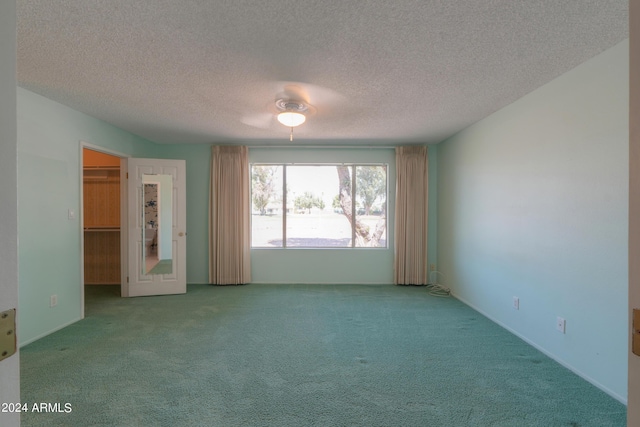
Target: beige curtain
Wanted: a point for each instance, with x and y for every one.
(411, 216)
(229, 210)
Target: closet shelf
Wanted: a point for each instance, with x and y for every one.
(103, 168)
(108, 228)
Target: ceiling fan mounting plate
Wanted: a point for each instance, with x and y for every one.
(283, 104)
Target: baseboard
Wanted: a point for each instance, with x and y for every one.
(22, 344)
(582, 375)
(316, 283)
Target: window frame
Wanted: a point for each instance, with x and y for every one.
(354, 208)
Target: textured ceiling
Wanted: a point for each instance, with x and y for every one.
(376, 71)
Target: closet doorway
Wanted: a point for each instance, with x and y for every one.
(101, 215)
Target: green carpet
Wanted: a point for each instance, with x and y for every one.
(299, 355)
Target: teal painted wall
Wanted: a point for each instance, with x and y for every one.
(49, 136)
(533, 202)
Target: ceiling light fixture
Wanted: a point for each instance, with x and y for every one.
(291, 118)
(292, 113)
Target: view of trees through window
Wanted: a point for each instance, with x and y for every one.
(318, 206)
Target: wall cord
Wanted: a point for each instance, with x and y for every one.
(435, 288)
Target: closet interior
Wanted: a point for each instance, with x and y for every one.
(101, 209)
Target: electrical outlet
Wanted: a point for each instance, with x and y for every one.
(53, 300)
(71, 214)
(561, 325)
(516, 303)
(433, 267)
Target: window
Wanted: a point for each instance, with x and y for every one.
(317, 209)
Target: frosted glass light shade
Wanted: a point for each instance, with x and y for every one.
(291, 118)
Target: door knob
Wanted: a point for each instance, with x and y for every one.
(182, 234)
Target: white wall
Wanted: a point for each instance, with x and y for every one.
(10, 367)
(532, 202)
